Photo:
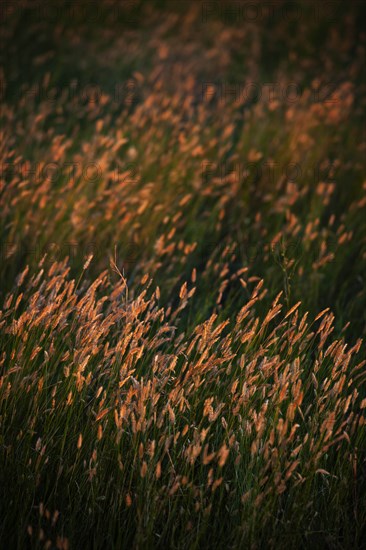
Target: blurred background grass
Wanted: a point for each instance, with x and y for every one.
(152, 63)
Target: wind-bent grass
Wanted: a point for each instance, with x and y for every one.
(182, 284)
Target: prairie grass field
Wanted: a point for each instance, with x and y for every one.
(182, 275)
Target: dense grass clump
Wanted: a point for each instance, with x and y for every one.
(182, 276)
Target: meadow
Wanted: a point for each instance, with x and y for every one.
(182, 275)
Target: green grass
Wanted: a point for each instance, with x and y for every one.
(178, 389)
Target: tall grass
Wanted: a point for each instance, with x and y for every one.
(182, 297)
